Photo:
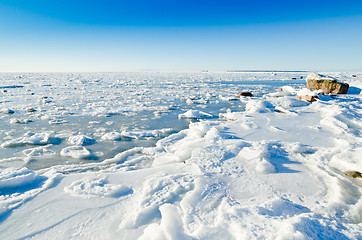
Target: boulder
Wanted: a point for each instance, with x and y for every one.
(353, 174)
(327, 84)
(308, 98)
(244, 94)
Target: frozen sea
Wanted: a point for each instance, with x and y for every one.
(95, 104)
(178, 156)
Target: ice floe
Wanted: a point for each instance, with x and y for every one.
(194, 114)
(75, 152)
(80, 140)
(112, 136)
(29, 138)
(146, 134)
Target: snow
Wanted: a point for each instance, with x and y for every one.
(158, 167)
(95, 187)
(257, 106)
(80, 140)
(317, 76)
(306, 92)
(194, 114)
(75, 152)
(14, 178)
(111, 136)
(146, 134)
(29, 138)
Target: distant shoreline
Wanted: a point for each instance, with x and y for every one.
(262, 71)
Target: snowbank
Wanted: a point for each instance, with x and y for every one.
(14, 178)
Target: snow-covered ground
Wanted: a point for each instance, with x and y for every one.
(178, 156)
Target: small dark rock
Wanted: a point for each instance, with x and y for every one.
(30, 110)
(244, 94)
(353, 174)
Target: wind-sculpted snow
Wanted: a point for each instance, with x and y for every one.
(14, 178)
(94, 187)
(121, 164)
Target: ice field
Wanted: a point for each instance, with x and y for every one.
(178, 156)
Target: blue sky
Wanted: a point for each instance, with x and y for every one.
(186, 35)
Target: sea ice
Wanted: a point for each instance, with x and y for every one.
(29, 138)
(112, 136)
(194, 114)
(270, 167)
(75, 152)
(146, 134)
(80, 140)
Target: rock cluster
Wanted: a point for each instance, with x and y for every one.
(327, 84)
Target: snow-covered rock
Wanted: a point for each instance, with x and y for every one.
(327, 84)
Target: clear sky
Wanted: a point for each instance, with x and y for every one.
(187, 35)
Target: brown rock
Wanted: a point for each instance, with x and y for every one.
(308, 98)
(327, 84)
(353, 174)
(244, 94)
(30, 110)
